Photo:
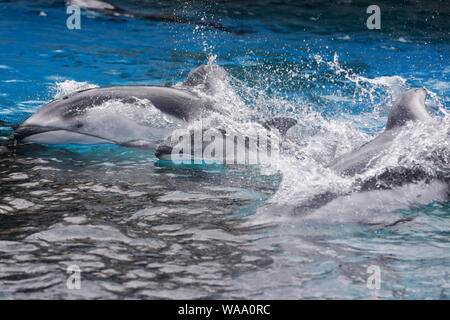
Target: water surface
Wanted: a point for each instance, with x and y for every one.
(139, 228)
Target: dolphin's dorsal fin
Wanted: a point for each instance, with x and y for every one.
(409, 107)
(282, 124)
(197, 76)
(205, 75)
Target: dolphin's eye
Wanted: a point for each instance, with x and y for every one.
(78, 125)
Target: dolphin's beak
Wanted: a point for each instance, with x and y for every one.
(24, 131)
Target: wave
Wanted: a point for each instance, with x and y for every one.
(307, 183)
(319, 137)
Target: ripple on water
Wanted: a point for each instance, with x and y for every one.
(19, 204)
(90, 234)
(143, 231)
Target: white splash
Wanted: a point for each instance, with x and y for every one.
(67, 87)
(316, 140)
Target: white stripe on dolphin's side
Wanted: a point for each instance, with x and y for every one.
(64, 137)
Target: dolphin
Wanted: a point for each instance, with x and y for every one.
(410, 106)
(115, 11)
(172, 146)
(410, 185)
(87, 117)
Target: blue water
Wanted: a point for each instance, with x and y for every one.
(141, 229)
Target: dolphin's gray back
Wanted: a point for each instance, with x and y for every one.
(360, 159)
(409, 107)
(178, 103)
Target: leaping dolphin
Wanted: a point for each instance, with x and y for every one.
(89, 116)
(83, 117)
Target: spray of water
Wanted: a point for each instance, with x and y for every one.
(318, 138)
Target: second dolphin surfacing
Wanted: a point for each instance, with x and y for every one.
(409, 107)
(368, 184)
